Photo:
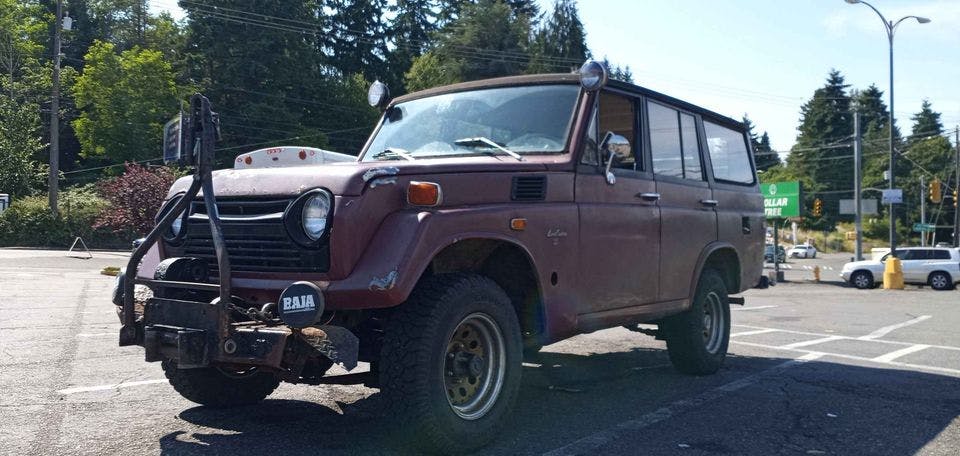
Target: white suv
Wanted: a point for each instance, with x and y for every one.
(938, 267)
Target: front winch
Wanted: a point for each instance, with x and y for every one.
(301, 305)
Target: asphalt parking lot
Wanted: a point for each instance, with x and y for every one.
(813, 369)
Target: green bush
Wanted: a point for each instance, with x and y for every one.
(29, 223)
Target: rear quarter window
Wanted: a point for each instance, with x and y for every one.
(729, 155)
(940, 255)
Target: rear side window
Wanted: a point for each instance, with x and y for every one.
(729, 155)
(939, 255)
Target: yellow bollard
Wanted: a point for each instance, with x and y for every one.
(893, 274)
(816, 273)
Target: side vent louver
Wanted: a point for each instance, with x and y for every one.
(529, 188)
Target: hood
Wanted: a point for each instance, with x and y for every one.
(343, 179)
(861, 264)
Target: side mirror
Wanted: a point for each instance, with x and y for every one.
(617, 147)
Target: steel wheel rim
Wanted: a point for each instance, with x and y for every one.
(713, 323)
(474, 366)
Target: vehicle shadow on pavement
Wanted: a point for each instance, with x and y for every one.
(808, 408)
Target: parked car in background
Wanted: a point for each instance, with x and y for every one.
(802, 251)
(768, 254)
(938, 267)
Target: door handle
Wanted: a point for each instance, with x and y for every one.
(709, 202)
(649, 196)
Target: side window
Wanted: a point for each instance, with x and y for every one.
(691, 148)
(729, 155)
(940, 255)
(590, 142)
(619, 115)
(665, 140)
(673, 143)
(912, 255)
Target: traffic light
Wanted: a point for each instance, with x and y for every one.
(936, 194)
(817, 207)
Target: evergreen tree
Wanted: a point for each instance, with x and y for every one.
(764, 156)
(560, 43)
(489, 39)
(926, 122)
(357, 32)
(825, 123)
(410, 33)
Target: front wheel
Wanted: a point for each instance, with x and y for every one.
(450, 363)
(697, 339)
(940, 280)
(220, 387)
(862, 280)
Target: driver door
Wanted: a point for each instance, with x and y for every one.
(619, 222)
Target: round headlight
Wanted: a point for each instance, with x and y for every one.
(315, 212)
(593, 75)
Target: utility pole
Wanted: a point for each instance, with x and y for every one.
(857, 187)
(55, 114)
(956, 187)
(923, 211)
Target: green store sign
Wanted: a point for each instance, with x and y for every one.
(781, 199)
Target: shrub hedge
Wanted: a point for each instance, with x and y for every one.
(29, 223)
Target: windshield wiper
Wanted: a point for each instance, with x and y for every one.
(392, 152)
(481, 141)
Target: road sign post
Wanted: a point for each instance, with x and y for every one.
(780, 200)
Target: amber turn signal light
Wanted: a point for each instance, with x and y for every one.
(424, 194)
(518, 224)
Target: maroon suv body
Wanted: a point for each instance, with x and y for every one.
(481, 220)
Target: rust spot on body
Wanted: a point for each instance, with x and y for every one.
(384, 283)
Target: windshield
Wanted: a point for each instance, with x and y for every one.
(524, 120)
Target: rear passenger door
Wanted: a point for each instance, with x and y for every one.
(740, 219)
(914, 263)
(687, 217)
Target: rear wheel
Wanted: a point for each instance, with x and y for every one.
(862, 280)
(450, 363)
(221, 387)
(697, 339)
(940, 280)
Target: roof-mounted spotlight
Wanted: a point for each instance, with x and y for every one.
(593, 75)
(378, 95)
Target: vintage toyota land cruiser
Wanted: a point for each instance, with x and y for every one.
(481, 221)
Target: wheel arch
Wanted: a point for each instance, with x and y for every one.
(506, 262)
(724, 258)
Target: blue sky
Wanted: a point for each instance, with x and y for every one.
(765, 58)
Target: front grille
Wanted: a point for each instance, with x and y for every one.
(255, 237)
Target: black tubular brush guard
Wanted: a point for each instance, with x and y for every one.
(200, 131)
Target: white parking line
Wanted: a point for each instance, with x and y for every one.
(805, 343)
(901, 352)
(88, 389)
(887, 329)
(591, 443)
(750, 333)
(752, 308)
(918, 367)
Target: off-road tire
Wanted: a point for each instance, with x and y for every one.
(684, 332)
(412, 367)
(863, 280)
(940, 281)
(211, 387)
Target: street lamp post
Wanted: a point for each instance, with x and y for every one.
(891, 28)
